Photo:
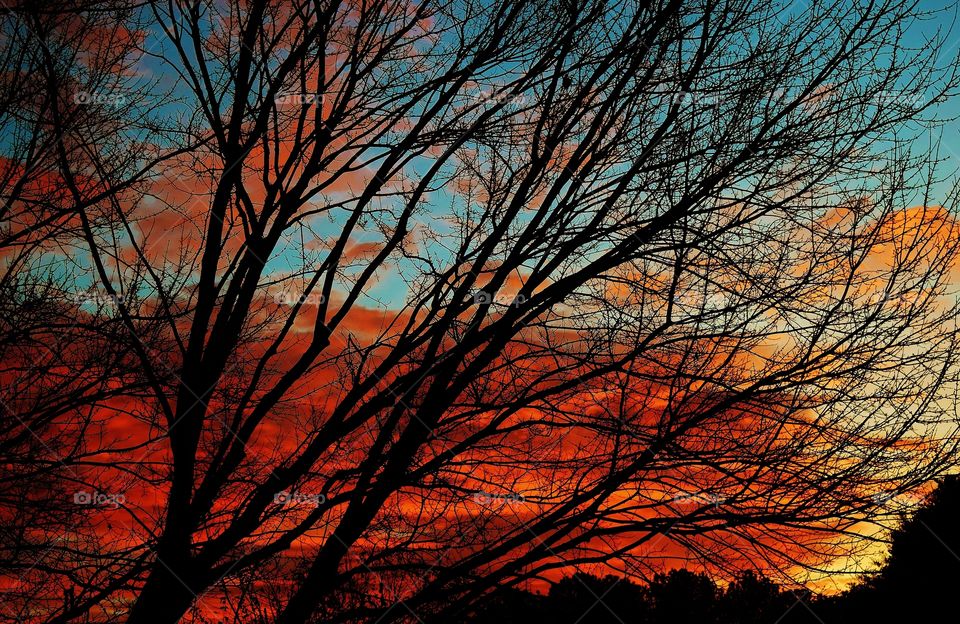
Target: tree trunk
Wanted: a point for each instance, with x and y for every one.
(166, 597)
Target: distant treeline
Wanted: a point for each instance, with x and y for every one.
(919, 582)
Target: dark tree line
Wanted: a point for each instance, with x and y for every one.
(675, 597)
(917, 582)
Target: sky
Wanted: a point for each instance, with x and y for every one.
(389, 291)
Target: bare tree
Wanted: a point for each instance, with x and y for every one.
(428, 299)
(70, 372)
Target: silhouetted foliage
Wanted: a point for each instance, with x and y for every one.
(683, 596)
(916, 584)
(919, 578)
(753, 599)
(677, 596)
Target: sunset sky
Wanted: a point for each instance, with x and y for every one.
(316, 310)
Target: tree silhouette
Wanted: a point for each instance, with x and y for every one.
(604, 600)
(69, 371)
(754, 599)
(580, 597)
(915, 583)
(405, 301)
(918, 578)
(923, 567)
(683, 596)
(677, 596)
